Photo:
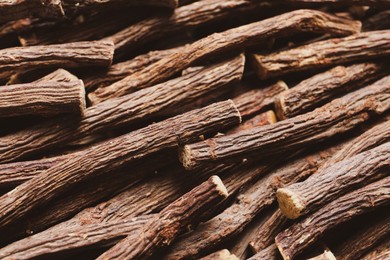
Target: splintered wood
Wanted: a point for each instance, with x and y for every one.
(195, 129)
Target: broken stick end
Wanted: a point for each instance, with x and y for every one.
(220, 187)
(280, 107)
(289, 203)
(261, 71)
(83, 99)
(185, 157)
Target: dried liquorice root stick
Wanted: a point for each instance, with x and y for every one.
(381, 3)
(265, 118)
(11, 10)
(43, 99)
(270, 253)
(184, 17)
(170, 222)
(223, 254)
(114, 153)
(302, 198)
(381, 252)
(336, 117)
(121, 70)
(256, 100)
(59, 75)
(233, 39)
(75, 5)
(354, 247)
(320, 88)
(78, 54)
(295, 239)
(325, 53)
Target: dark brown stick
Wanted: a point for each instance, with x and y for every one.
(325, 53)
(333, 118)
(11, 10)
(295, 239)
(356, 246)
(379, 21)
(59, 75)
(185, 17)
(170, 222)
(233, 39)
(79, 54)
(220, 255)
(44, 99)
(122, 150)
(381, 252)
(146, 104)
(257, 100)
(302, 198)
(270, 253)
(382, 3)
(322, 87)
(121, 70)
(89, 5)
(265, 118)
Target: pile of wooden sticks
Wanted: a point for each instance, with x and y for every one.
(184, 129)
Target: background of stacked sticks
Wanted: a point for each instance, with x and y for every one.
(116, 117)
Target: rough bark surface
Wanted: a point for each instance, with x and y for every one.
(233, 39)
(170, 222)
(122, 150)
(89, 5)
(381, 252)
(322, 87)
(265, 118)
(325, 53)
(295, 239)
(256, 100)
(11, 10)
(78, 54)
(270, 253)
(223, 254)
(379, 3)
(336, 117)
(379, 21)
(59, 75)
(302, 198)
(43, 99)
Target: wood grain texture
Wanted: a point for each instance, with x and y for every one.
(325, 86)
(147, 104)
(265, 118)
(336, 117)
(370, 235)
(302, 198)
(223, 254)
(380, 252)
(374, 3)
(270, 253)
(249, 203)
(11, 10)
(122, 150)
(233, 39)
(299, 236)
(79, 54)
(170, 222)
(325, 53)
(257, 100)
(44, 99)
(379, 21)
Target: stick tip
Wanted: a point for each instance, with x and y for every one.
(280, 106)
(289, 203)
(220, 187)
(185, 157)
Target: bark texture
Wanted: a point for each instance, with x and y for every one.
(265, 118)
(270, 253)
(256, 100)
(170, 222)
(233, 39)
(122, 150)
(322, 87)
(381, 252)
(379, 21)
(336, 117)
(11, 10)
(78, 54)
(302, 198)
(43, 99)
(295, 239)
(325, 53)
(89, 5)
(374, 3)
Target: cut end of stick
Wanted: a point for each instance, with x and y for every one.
(280, 107)
(220, 187)
(92, 98)
(83, 101)
(271, 117)
(238, 112)
(289, 203)
(281, 250)
(185, 157)
(261, 71)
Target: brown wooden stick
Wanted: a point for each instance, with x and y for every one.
(257, 100)
(295, 239)
(185, 17)
(72, 5)
(220, 255)
(11, 10)
(79, 54)
(381, 252)
(147, 104)
(265, 118)
(122, 150)
(336, 117)
(171, 220)
(344, 2)
(322, 54)
(270, 253)
(372, 234)
(302, 198)
(322, 87)
(233, 39)
(44, 99)
(59, 75)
